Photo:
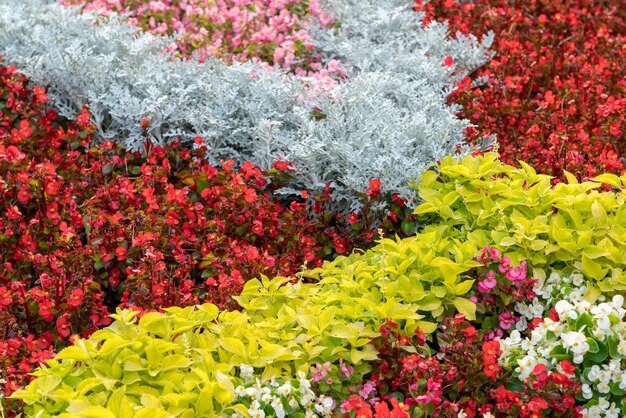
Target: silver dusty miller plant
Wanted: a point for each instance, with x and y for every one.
(388, 120)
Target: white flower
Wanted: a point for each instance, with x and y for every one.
(562, 307)
(595, 412)
(239, 391)
(526, 365)
(253, 392)
(603, 387)
(612, 412)
(462, 414)
(594, 372)
(278, 408)
(587, 392)
(246, 372)
(621, 348)
(577, 279)
(488, 415)
(603, 403)
(293, 403)
(285, 389)
(618, 301)
(576, 342)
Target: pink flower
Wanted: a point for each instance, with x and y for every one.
(518, 273)
(368, 388)
(507, 320)
(485, 286)
(319, 371)
(346, 370)
(505, 264)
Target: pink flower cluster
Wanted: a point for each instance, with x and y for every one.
(273, 31)
(494, 296)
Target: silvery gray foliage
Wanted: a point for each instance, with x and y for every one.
(388, 121)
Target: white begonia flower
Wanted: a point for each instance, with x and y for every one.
(622, 384)
(462, 414)
(562, 307)
(488, 415)
(285, 389)
(327, 402)
(594, 372)
(521, 325)
(612, 412)
(515, 338)
(253, 392)
(267, 398)
(618, 301)
(601, 310)
(577, 279)
(576, 342)
(599, 333)
(537, 310)
(603, 387)
(279, 410)
(239, 391)
(310, 414)
(595, 412)
(604, 376)
(521, 308)
(586, 391)
(578, 358)
(246, 372)
(603, 403)
(293, 403)
(525, 366)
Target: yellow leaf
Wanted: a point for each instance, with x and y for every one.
(466, 307)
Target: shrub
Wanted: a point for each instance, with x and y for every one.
(387, 122)
(555, 92)
(569, 226)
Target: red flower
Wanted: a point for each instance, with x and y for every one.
(64, 326)
(374, 189)
(283, 166)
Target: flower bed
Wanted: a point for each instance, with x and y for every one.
(555, 91)
(201, 239)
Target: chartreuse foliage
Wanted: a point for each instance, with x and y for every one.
(563, 227)
(184, 362)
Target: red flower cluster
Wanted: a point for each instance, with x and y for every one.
(556, 95)
(84, 229)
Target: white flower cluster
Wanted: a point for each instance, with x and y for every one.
(590, 333)
(556, 287)
(280, 399)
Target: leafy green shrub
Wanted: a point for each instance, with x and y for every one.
(563, 227)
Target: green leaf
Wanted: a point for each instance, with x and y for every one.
(608, 178)
(593, 269)
(466, 307)
(463, 287)
(233, 345)
(600, 355)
